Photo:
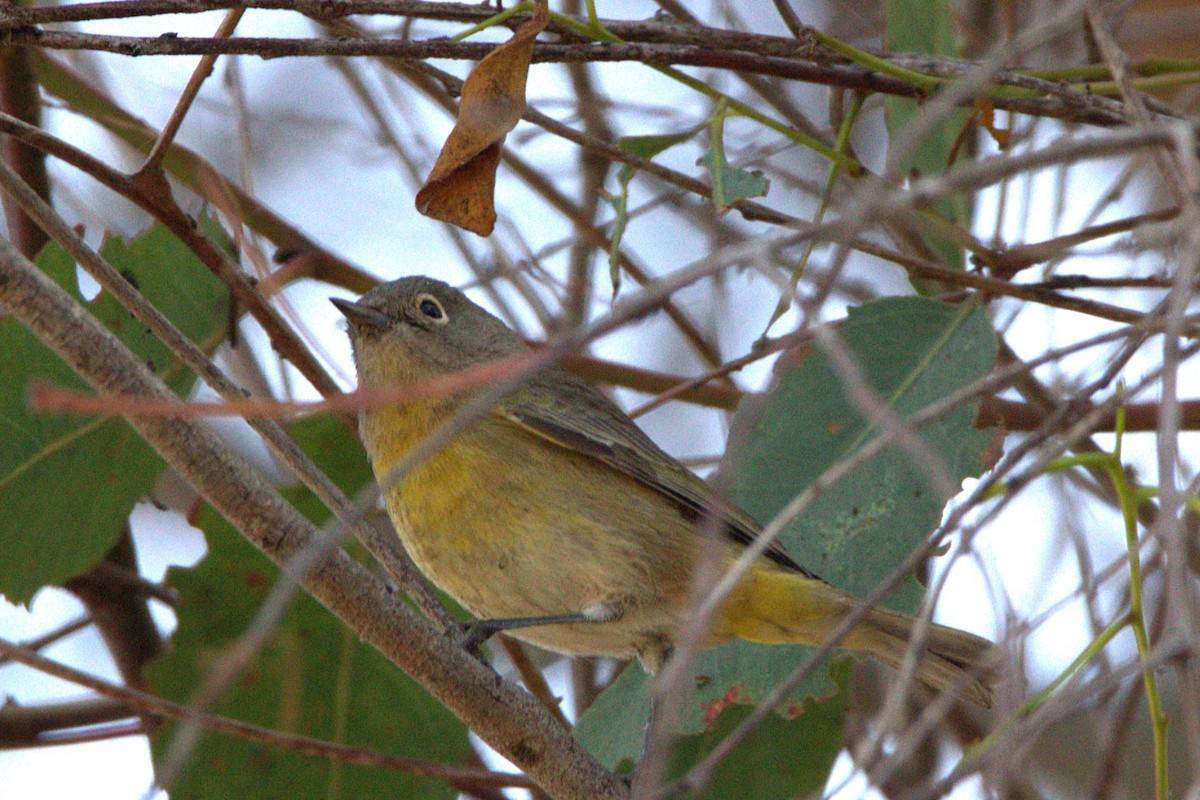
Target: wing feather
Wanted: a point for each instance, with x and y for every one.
(572, 414)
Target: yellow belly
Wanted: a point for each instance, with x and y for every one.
(512, 526)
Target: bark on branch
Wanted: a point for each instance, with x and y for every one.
(509, 719)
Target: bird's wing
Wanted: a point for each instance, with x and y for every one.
(573, 414)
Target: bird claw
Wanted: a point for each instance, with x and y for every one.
(473, 635)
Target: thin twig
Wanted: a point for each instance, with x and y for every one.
(533, 678)
(52, 636)
(133, 701)
(204, 69)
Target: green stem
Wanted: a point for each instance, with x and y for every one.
(1113, 89)
(594, 30)
(1158, 66)
(492, 21)
(804, 140)
(1093, 649)
(1127, 498)
(925, 83)
(1093, 78)
(1096, 460)
(1088, 653)
(1100, 72)
(842, 145)
(1085, 72)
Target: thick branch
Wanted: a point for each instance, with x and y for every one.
(27, 726)
(506, 717)
(19, 97)
(119, 609)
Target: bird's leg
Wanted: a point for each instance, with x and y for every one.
(476, 632)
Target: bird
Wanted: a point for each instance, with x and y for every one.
(556, 518)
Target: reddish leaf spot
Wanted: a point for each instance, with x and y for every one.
(833, 428)
(255, 580)
(714, 709)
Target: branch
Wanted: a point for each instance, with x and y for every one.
(1139, 417)
(19, 97)
(125, 9)
(29, 725)
(1058, 102)
(507, 718)
(112, 592)
(50, 637)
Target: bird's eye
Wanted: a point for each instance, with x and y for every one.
(431, 308)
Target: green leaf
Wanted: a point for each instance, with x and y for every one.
(652, 145)
(612, 727)
(642, 147)
(786, 756)
(729, 184)
(790, 753)
(919, 26)
(68, 483)
(927, 26)
(913, 352)
(313, 676)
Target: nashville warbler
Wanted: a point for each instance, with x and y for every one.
(558, 518)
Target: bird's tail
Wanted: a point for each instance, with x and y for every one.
(776, 607)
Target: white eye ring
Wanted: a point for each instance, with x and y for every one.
(431, 308)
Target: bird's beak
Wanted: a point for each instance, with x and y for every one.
(359, 315)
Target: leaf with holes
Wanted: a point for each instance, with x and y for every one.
(912, 352)
(68, 483)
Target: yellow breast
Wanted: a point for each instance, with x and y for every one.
(511, 525)
(432, 492)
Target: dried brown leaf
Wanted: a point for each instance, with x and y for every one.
(461, 188)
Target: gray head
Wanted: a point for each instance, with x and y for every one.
(416, 327)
